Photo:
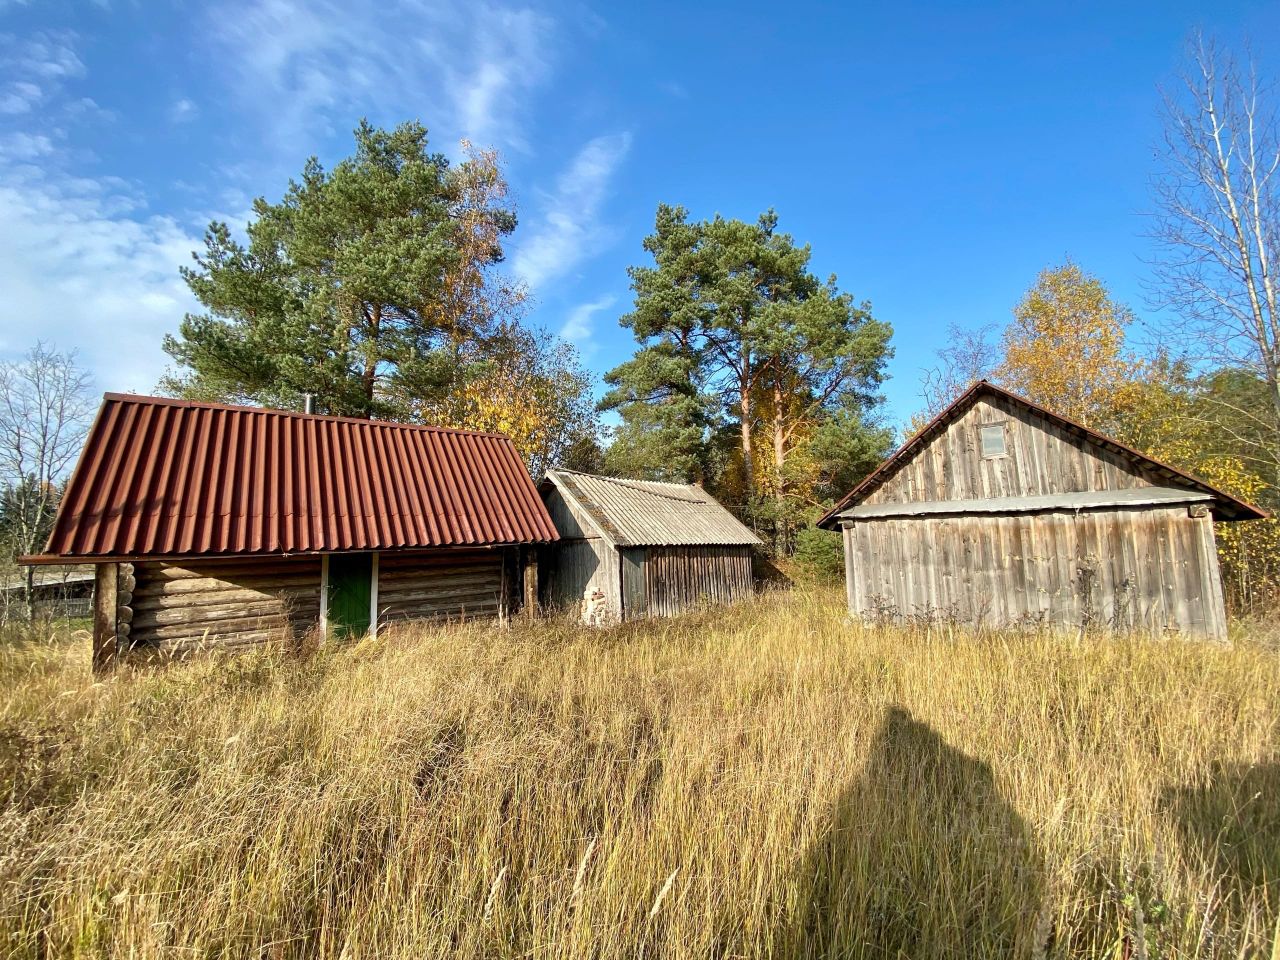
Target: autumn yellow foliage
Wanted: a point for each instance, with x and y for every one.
(1066, 348)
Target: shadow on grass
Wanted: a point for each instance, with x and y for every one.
(922, 858)
(1232, 821)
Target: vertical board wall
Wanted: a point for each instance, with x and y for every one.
(580, 563)
(1149, 568)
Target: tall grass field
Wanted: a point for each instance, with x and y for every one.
(766, 780)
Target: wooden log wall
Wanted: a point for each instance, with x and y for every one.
(1152, 569)
(677, 578)
(1041, 459)
(444, 585)
(223, 603)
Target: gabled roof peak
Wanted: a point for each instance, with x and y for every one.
(1226, 507)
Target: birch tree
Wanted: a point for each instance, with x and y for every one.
(1217, 221)
(45, 409)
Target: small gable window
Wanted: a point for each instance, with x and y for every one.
(992, 435)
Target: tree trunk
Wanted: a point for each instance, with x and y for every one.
(779, 463)
(748, 457)
(371, 358)
(29, 589)
(779, 442)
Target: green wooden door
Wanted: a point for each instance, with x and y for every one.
(350, 594)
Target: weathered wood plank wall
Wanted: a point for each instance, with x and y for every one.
(580, 563)
(1149, 569)
(1041, 459)
(677, 578)
(441, 585)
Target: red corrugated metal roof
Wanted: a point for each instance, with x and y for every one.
(161, 477)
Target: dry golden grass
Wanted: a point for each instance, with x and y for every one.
(763, 781)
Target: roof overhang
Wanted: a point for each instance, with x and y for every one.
(50, 559)
(1052, 503)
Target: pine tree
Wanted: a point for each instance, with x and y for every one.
(736, 333)
(357, 287)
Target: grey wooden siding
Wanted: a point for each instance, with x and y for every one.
(440, 585)
(1041, 459)
(580, 563)
(1151, 569)
(227, 603)
(578, 568)
(677, 578)
(570, 521)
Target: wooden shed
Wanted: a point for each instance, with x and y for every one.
(631, 549)
(1002, 512)
(224, 526)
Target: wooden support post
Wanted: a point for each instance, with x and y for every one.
(106, 594)
(530, 581)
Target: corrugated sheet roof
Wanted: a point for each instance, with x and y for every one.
(1088, 500)
(645, 513)
(1225, 506)
(161, 477)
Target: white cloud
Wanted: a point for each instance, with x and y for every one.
(183, 110)
(507, 59)
(37, 66)
(20, 97)
(48, 56)
(568, 227)
(465, 66)
(82, 263)
(579, 328)
(79, 271)
(25, 146)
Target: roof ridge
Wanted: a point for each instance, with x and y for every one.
(277, 411)
(636, 485)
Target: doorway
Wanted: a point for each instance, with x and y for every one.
(350, 594)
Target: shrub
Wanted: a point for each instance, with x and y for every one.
(820, 554)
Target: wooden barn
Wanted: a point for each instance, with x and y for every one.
(631, 549)
(223, 526)
(1002, 512)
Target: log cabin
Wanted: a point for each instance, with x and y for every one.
(634, 549)
(1002, 512)
(215, 526)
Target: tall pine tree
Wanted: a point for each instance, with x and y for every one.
(736, 334)
(357, 287)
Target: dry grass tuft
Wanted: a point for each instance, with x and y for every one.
(763, 781)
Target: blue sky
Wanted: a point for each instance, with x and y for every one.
(936, 155)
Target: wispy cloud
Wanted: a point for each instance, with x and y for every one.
(37, 67)
(82, 263)
(20, 97)
(21, 146)
(113, 276)
(508, 57)
(579, 327)
(183, 110)
(464, 66)
(567, 227)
